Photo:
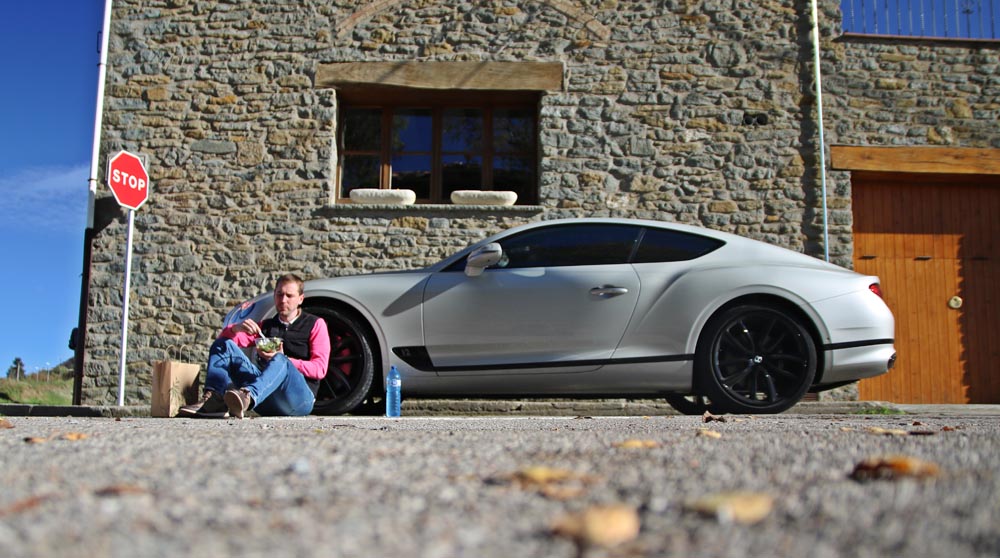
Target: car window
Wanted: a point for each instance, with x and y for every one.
(565, 245)
(662, 245)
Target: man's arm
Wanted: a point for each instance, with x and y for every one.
(319, 351)
(236, 333)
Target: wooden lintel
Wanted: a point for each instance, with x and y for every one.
(495, 76)
(936, 160)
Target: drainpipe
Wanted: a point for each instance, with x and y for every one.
(80, 335)
(819, 116)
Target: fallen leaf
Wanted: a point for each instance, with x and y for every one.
(23, 505)
(916, 423)
(599, 525)
(75, 436)
(561, 492)
(4, 423)
(120, 490)
(846, 429)
(734, 507)
(705, 433)
(557, 484)
(542, 475)
(892, 467)
(709, 417)
(886, 431)
(637, 444)
(948, 429)
(35, 440)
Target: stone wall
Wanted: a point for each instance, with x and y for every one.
(659, 117)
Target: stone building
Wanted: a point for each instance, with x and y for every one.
(256, 119)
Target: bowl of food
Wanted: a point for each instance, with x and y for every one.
(269, 344)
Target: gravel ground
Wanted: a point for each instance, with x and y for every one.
(453, 487)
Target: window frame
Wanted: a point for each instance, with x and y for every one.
(395, 99)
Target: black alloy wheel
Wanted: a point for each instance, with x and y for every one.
(755, 359)
(351, 370)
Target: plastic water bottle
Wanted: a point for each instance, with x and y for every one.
(393, 393)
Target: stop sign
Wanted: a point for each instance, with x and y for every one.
(128, 180)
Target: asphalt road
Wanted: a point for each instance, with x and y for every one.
(504, 487)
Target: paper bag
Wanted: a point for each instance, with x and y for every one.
(175, 384)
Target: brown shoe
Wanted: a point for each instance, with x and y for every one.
(211, 405)
(238, 401)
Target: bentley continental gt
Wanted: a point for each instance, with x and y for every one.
(602, 308)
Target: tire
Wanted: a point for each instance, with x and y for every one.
(351, 371)
(690, 404)
(755, 359)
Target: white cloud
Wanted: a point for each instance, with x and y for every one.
(52, 199)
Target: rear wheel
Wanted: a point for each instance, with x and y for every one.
(351, 371)
(755, 359)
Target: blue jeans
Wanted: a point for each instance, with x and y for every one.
(279, 389)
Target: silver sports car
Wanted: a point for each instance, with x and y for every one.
(603, 307)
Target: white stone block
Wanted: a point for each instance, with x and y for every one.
(379, 196)
(482, 197)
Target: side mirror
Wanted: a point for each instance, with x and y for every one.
(481, 258)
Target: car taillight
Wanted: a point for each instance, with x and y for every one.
(875, 288)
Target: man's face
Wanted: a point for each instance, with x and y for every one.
(287, 299)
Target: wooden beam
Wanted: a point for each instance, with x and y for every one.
(494, 76)
(936, 160)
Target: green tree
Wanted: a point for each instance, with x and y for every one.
(16, 369)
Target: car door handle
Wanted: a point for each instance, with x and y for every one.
(608, 291)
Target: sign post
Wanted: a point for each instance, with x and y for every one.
(129, 182)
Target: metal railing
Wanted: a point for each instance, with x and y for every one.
(946, 19)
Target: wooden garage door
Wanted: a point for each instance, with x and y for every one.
(932, 240)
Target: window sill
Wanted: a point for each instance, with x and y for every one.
(349, 208)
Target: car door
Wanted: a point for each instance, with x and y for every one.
(559, 300)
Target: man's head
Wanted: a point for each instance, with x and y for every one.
(288, 296)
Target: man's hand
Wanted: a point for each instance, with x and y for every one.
(266, 356)
(249, 326)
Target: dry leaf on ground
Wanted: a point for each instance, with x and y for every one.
(554, 483)
(599, 525)
(4, 423)
(562, 492)
(738, 506)
(75, 436)
(637, 444)
(23, 505)
(705, 433)
(542, 475)
(892, 467)
(886, 431)
(35, 440)
(709, 417)
(120, 490)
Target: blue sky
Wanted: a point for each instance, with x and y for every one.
(47, 109)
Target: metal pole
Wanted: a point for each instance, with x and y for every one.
(128, 273)
(88, 234)
(819, 116)
(102, 70)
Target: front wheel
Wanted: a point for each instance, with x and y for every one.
(755, 359)
(351, 371)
